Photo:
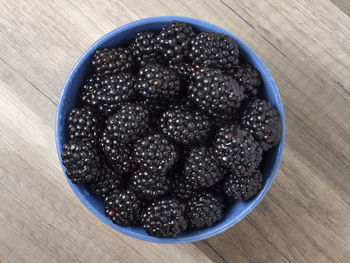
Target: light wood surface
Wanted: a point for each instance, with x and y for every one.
(305, 217)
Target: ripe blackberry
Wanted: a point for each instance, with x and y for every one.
(164, 218)
(215, 50)
(158, 82)
(81, 160)
(243, 187)
(129, 123)
(108, 181)
(214, 92)
(155, 153)
(174, 41)
(237, 150)
(204, 210)
(248, 77)
(117, 153)
(89, 89)
(115, 89)
(144, 48)
(185, 126)
(149, 185)
(83, 124)
(201, 169)
(187, 71)
(182, 189)
(123, 208)
(112, 60)
(262, 121)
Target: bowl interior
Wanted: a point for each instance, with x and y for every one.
(120, 36)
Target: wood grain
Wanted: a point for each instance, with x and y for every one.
(305, 215)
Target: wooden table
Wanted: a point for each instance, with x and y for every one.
(305, 217)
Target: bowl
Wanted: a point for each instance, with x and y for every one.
(124, 34)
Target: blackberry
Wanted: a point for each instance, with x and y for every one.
(164, 218)
(182, 189)
(115, 89)
(89, 89)
(174, 41)
(118, 154)
(243, 187)
(149, 185)
(262, 121)
(201, 169)
(187, 71)
(158, 82)
(129, 123)
(216, 93)
(215, 50)
(83, 124)
(81, 160)
(248, 77)
(155, 153)
(123, 208)
(109, 180)
(112, 60)
(237, 150)
(144, 48)
(185, 126)
(204, 210)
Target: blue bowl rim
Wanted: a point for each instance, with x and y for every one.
(267, 78)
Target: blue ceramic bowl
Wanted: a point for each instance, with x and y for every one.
(124, 34)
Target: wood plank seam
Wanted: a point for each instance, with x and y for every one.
(215, 251)
(29, 82)
(268, 241)
(342, 87)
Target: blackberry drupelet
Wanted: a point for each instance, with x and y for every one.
(182, 189)
(164, 218)
(112, 60)
(109, 180)
(123, 208)
(216, 93)
(83, 124)
(89, 89)
(187, 71)
(81, 161)
(115, 89)
(185, 126)
(237, 150)
(118, 154)
(155, 153)
(144, 48)
(243, 187)
(248, 77)
(215, 50)
(201, 169)
(204, 210)
(174, 41)
(158, 82)
(149, 185)
(129, 123)
(262, 121)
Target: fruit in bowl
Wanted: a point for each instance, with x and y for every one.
(170, 130)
